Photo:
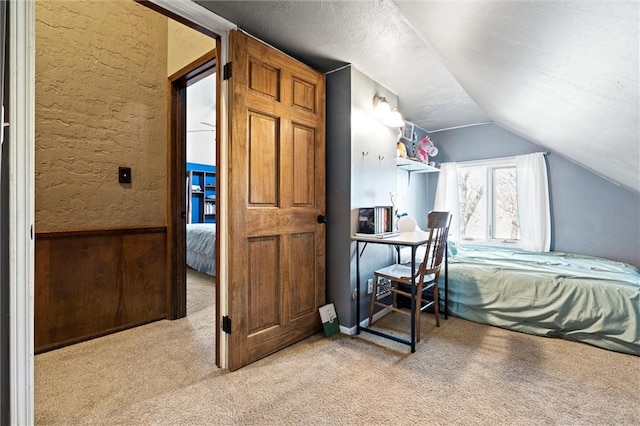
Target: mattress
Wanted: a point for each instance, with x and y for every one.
(201, 247)
(576, 297)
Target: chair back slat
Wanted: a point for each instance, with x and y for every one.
(438, 223)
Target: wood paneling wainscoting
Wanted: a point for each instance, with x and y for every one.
(92, 283)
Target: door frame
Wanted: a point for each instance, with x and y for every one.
(203, 20)
(177, 147)
(21, 209)
(4, 222)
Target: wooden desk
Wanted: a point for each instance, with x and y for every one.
(408, 239)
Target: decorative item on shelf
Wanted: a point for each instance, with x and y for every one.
(402, 150)
(425, 149)
(384, 112)
(406, 223)
(408, 131)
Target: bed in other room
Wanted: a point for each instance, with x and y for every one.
(201, 247)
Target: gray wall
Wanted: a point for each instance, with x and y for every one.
(355, 180)
(338, 137)
(589, 214)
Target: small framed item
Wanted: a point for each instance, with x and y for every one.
(329, 320)
(407, 130)
(366, 220)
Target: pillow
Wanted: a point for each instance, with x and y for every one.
(452, 247)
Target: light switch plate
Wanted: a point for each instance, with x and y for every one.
(124, 174)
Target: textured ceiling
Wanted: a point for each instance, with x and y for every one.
(562, 74)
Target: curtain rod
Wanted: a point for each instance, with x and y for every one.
(497, 158)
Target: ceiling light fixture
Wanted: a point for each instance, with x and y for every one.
(381, 107)
(393, 119)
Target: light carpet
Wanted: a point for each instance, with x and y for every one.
(462, 373)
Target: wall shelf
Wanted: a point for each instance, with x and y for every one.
(413, 166)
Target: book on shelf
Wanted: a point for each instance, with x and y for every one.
(376, 220)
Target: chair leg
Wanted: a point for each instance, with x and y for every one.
(436, 303)
(418, 310)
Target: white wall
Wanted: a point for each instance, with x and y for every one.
(201, 121)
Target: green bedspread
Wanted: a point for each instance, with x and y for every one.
(576, 297)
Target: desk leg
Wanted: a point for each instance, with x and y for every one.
(413, 298)
(357, 287)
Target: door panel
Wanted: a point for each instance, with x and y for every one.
(276, 192)
(264, 284)
(302, 262)
(304, 95)
(263, 159)
(304, 168)
(264, 79)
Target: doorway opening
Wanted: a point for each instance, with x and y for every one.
(194, 190)
(201, 187)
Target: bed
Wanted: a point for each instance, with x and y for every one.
(201, 247)
(576, 297)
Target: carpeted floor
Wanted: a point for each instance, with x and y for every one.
(462, 373)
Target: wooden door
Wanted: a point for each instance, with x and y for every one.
(276, 193)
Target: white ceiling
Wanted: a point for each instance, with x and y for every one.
(563, 74)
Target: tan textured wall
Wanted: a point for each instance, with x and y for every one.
(101, 83)
(185, 46)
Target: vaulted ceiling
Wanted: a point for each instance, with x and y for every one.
(563, 74)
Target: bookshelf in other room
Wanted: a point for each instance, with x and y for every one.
(201, 189)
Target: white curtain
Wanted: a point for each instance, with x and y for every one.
(533, 202)
(447, 197)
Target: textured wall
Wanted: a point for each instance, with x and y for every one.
(185, 46)
(101, 71)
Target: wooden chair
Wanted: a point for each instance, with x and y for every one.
(397, 278)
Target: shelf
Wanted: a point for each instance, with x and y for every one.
(414, 166)
(202, 201)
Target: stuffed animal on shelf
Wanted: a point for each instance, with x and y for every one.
(402, 150)
(424, 149)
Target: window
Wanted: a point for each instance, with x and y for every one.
(488, 202)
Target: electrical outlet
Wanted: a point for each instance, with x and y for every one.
(370, 286)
